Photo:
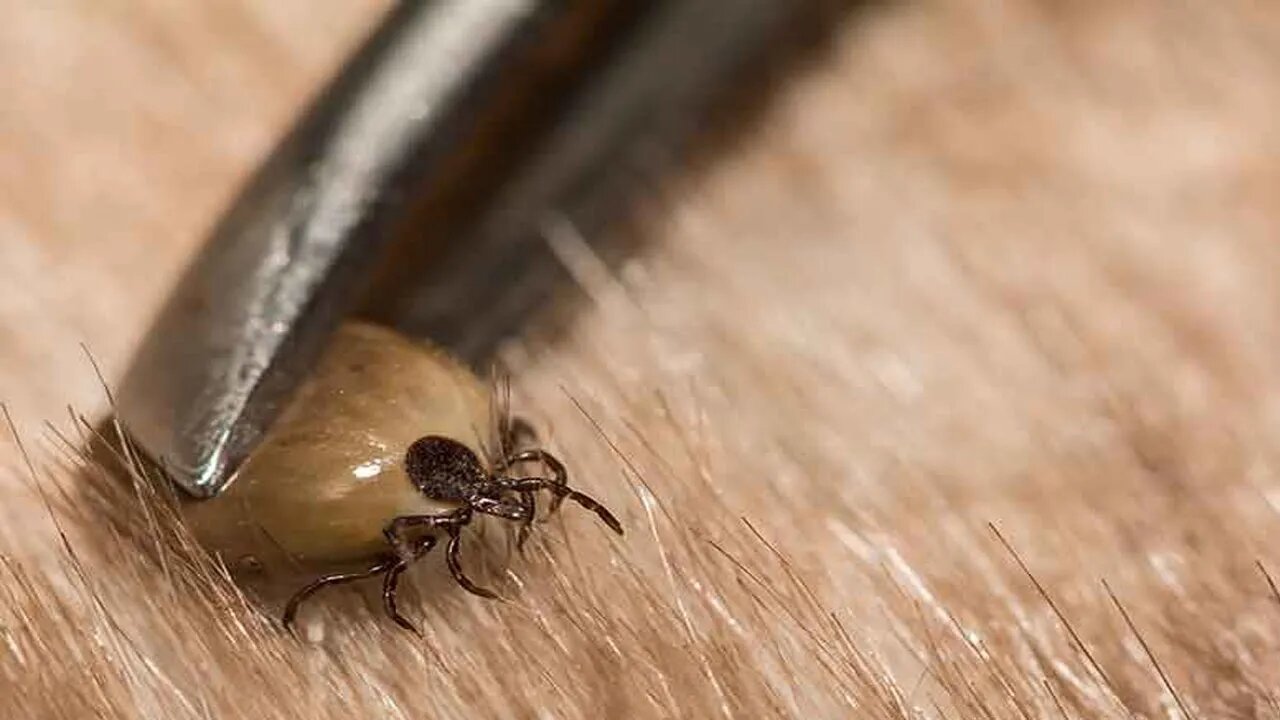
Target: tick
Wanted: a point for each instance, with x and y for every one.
(389, 448)
(446, 471)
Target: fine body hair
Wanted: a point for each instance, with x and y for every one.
(946, 393)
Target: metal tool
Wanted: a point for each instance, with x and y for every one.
(413, 191)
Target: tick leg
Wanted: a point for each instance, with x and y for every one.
(451, 523)
(391, 582)
(291, 608)
(560, 491)
(394, 532)
(499, 508)
(530, 505)
(559, 475)
(455, 566)
(521, 511)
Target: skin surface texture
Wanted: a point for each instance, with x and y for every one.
(946, 389)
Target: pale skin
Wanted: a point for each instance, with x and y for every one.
(377, 458)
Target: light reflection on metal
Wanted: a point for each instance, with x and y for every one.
(298, 250)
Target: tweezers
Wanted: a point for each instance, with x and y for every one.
(412, 191)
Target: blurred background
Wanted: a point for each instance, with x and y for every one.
(126, 130)
(954, 263)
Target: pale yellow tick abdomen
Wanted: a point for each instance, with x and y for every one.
(328, 476)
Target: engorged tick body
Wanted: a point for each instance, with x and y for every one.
(378, 458)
